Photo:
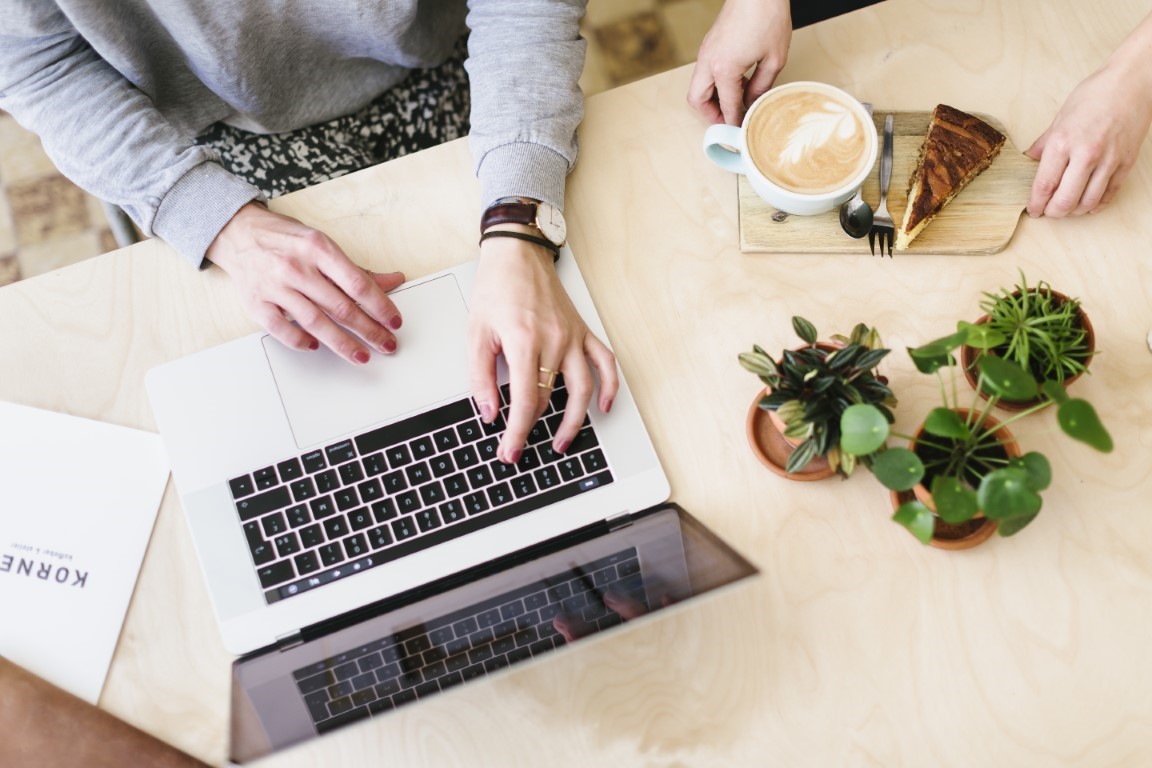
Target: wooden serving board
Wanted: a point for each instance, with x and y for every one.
(979, 220)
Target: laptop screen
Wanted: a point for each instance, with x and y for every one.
(477, 623)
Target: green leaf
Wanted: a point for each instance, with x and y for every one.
(1014, 525)
(759, 364)
(1007, 493)
(1038, 469)
(1006, 378)
(898, 468)
(790, 411)
(871, 358)
(939, 347)
(944, 422)
(804, 329)
(1055, 391)
(863, 429)
(981, 336)
(955, 502)
(926, 364)
(918, 519)
(803, 454)
(1079, 421)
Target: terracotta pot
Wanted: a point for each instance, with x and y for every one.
(971, 533)
(948, 536)
(968, 359)
(772, 448)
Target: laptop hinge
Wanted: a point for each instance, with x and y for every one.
(290, 640)
(618, 521)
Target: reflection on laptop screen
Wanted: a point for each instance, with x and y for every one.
(480, 624)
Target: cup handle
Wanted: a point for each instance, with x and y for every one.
(714, 137)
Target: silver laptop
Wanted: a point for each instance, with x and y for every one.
(313, 487)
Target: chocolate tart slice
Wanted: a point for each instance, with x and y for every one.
(957, 148)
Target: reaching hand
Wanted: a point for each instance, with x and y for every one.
(746, 33)
(289, 272)
(520, 309)
(1092, 144)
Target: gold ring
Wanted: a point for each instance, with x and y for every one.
(551, 378)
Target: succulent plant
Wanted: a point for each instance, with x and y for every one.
(811, 387)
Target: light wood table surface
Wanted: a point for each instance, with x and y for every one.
(856, 646)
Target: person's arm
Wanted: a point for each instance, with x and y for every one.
(746, 34)
(1092, 144)
(108, 137)
(525, 59)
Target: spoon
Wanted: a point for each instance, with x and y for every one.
(855, 214)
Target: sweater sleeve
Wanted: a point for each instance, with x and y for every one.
(106, 135)
(524, 63)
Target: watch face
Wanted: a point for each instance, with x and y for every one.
(551, 223)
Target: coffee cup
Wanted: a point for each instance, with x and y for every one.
(805, 147)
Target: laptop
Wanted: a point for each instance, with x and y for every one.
(316, 491)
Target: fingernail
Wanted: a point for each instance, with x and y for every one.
(390, 346)
(607, 406)
(562, 446)
(485, 409)
(360, 356)
(395, 322)
(514, 456)
(313, 345)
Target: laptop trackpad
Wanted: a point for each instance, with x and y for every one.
(326, 397)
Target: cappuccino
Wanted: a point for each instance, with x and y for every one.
(807, 140)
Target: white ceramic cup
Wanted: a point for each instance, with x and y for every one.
(789, 201)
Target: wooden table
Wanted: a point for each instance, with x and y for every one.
(857, 646)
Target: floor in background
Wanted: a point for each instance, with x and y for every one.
(47, 223)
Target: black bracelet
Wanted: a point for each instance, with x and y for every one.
(555, 249)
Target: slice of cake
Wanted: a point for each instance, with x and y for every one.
(956, 150)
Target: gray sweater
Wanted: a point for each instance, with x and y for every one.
(118, 89)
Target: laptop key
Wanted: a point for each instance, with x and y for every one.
(476, 503)
(456, 485)
(275, 573)
(263, 503)
(302, 490)
(359, 519)
(408, 502)
(446, 439)
(370, 490)
(432, 493)
(403, 528)
(312, 536)
(356, 545)
(523, 485)
(384, 510)
(273, 524)
(340, 452)
(418, 473)
(375, 464)
(465, 457)
(297, 515)
(322, 507)
(451, 511)
(398, 456)
(290, 470)
(379, 537)
(594, 461)
(313, 461)
(499, 494)
(286, 545)
(306, 563)
(241, 486)
(336, 527)
(469, 431)
(346, 498)
(427, 519)
(331, 554)
(442, 465)
(423, 447)
(350, 473)
(326, 481)
(265, 478)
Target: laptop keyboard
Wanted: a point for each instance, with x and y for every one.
(465, 644)
(371, 499)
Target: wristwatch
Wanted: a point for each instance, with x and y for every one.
(544, 217)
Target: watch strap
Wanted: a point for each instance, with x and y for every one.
(552, 247)
(509, 213)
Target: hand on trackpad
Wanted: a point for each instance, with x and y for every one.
(325, 397)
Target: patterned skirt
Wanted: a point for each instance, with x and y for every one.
(428, 108)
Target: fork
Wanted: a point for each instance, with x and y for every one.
(883, 227)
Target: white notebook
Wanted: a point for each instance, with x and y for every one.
(78, 499)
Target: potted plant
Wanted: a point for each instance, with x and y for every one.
(962, 464)
(1043, 331)
(794, 425)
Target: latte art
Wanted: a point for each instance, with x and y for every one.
(807, 141)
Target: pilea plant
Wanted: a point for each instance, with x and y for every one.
(960, 455)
